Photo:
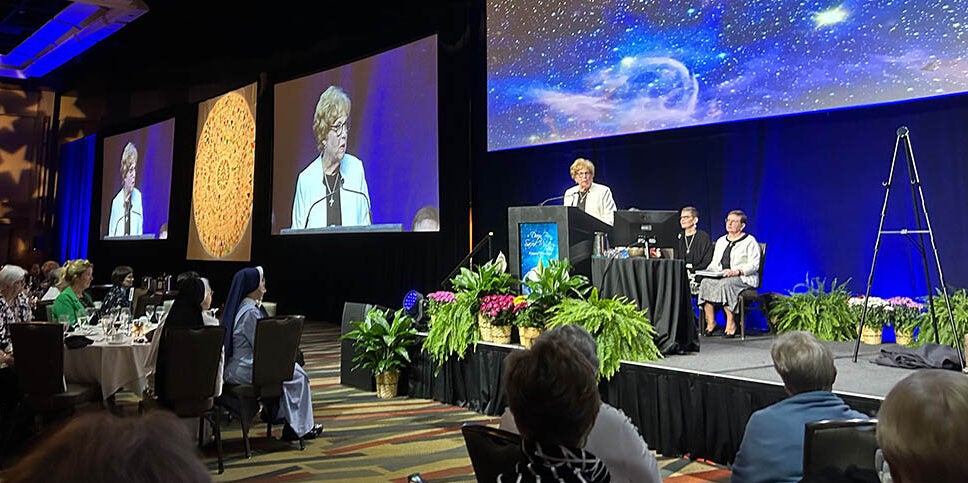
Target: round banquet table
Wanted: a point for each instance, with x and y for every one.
(111, 366)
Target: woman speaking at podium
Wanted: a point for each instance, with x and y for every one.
(592, 198)
(332, 190)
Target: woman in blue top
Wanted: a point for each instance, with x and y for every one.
(243, 308)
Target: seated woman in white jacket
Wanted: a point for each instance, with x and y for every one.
(737, 255)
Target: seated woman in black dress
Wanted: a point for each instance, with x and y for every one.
(122, 278)
(694, 246)
(737, 256)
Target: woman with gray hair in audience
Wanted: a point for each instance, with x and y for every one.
(553, 392)
(613, 437)
(922, 428)
(772, 447)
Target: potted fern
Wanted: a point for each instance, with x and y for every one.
(812, 307)
(383, 347)
(621, 330)
(959, 311)
(548, 284)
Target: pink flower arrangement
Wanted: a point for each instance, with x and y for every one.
(499, 308)
(442, 296)
(436, 299)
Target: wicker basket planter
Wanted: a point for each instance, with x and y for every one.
(528, 335)
(871, 335)
(501, 334)
(386, 384)
(484, 325)
(904, 337)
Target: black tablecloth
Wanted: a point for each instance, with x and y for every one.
(661, 288)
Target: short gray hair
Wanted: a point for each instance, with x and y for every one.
(11, 274)
(577, 337)
(803, 362)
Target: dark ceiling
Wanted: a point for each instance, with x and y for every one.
(191, 42)
(20, 18)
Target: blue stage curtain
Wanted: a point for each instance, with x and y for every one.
(75, 181)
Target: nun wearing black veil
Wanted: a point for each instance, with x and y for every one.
(243, 308)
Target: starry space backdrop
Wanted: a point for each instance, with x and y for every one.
(562, 70)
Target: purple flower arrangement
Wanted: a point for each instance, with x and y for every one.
(499, 308)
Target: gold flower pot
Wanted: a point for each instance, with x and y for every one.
(386, 384)
(871, 335)
(528, 335)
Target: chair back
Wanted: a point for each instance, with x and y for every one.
(836, 445)
(759, 273)
(40, 358)
(274, 353)
(189, 359)
(42, 311)
(143, 301)
(492, 451)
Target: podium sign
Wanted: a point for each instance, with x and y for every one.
(541, 233)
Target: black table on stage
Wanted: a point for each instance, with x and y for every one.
(658, 286)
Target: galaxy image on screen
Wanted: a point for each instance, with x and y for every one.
(562, 70)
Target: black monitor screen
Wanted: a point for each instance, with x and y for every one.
(659, 228)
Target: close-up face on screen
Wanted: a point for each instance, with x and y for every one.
(355, 147)
(136, 183)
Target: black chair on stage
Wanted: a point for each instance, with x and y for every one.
(40, 369)
(274, 356)
(839, 447)
(751, 297)
(492, 451)
(188, 367)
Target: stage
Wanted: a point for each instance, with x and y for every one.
(695, 404)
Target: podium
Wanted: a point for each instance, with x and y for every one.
(538, 233)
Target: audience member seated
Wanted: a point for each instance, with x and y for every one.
(14, 308)
(73, 300)
(119, 296)
(243, 308)
(44, 278)
(922, 428)
(190, 309)
(613, 437)
(55, 284)
(552, 391)
(694, 245)
(737, 256)
(100, 447)
(772, 447)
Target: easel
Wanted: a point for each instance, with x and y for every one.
(917, 194)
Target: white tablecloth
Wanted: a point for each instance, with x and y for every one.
(111, 366)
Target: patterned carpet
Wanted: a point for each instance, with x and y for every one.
(367, 439)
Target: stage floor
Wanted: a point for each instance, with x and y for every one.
(750, 360)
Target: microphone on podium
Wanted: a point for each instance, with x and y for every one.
(324, 198)
(555, 198)
(369, 214)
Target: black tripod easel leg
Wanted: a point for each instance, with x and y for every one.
(917, 194)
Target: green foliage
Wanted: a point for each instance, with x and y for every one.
(454, 329)
(382, 345)
(552, 284)
(959, 310)
(622, 331)
(490, 278)
(813, 308)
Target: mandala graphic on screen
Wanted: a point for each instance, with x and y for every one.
(224, 167)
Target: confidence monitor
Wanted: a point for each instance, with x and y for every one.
(659, 228)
